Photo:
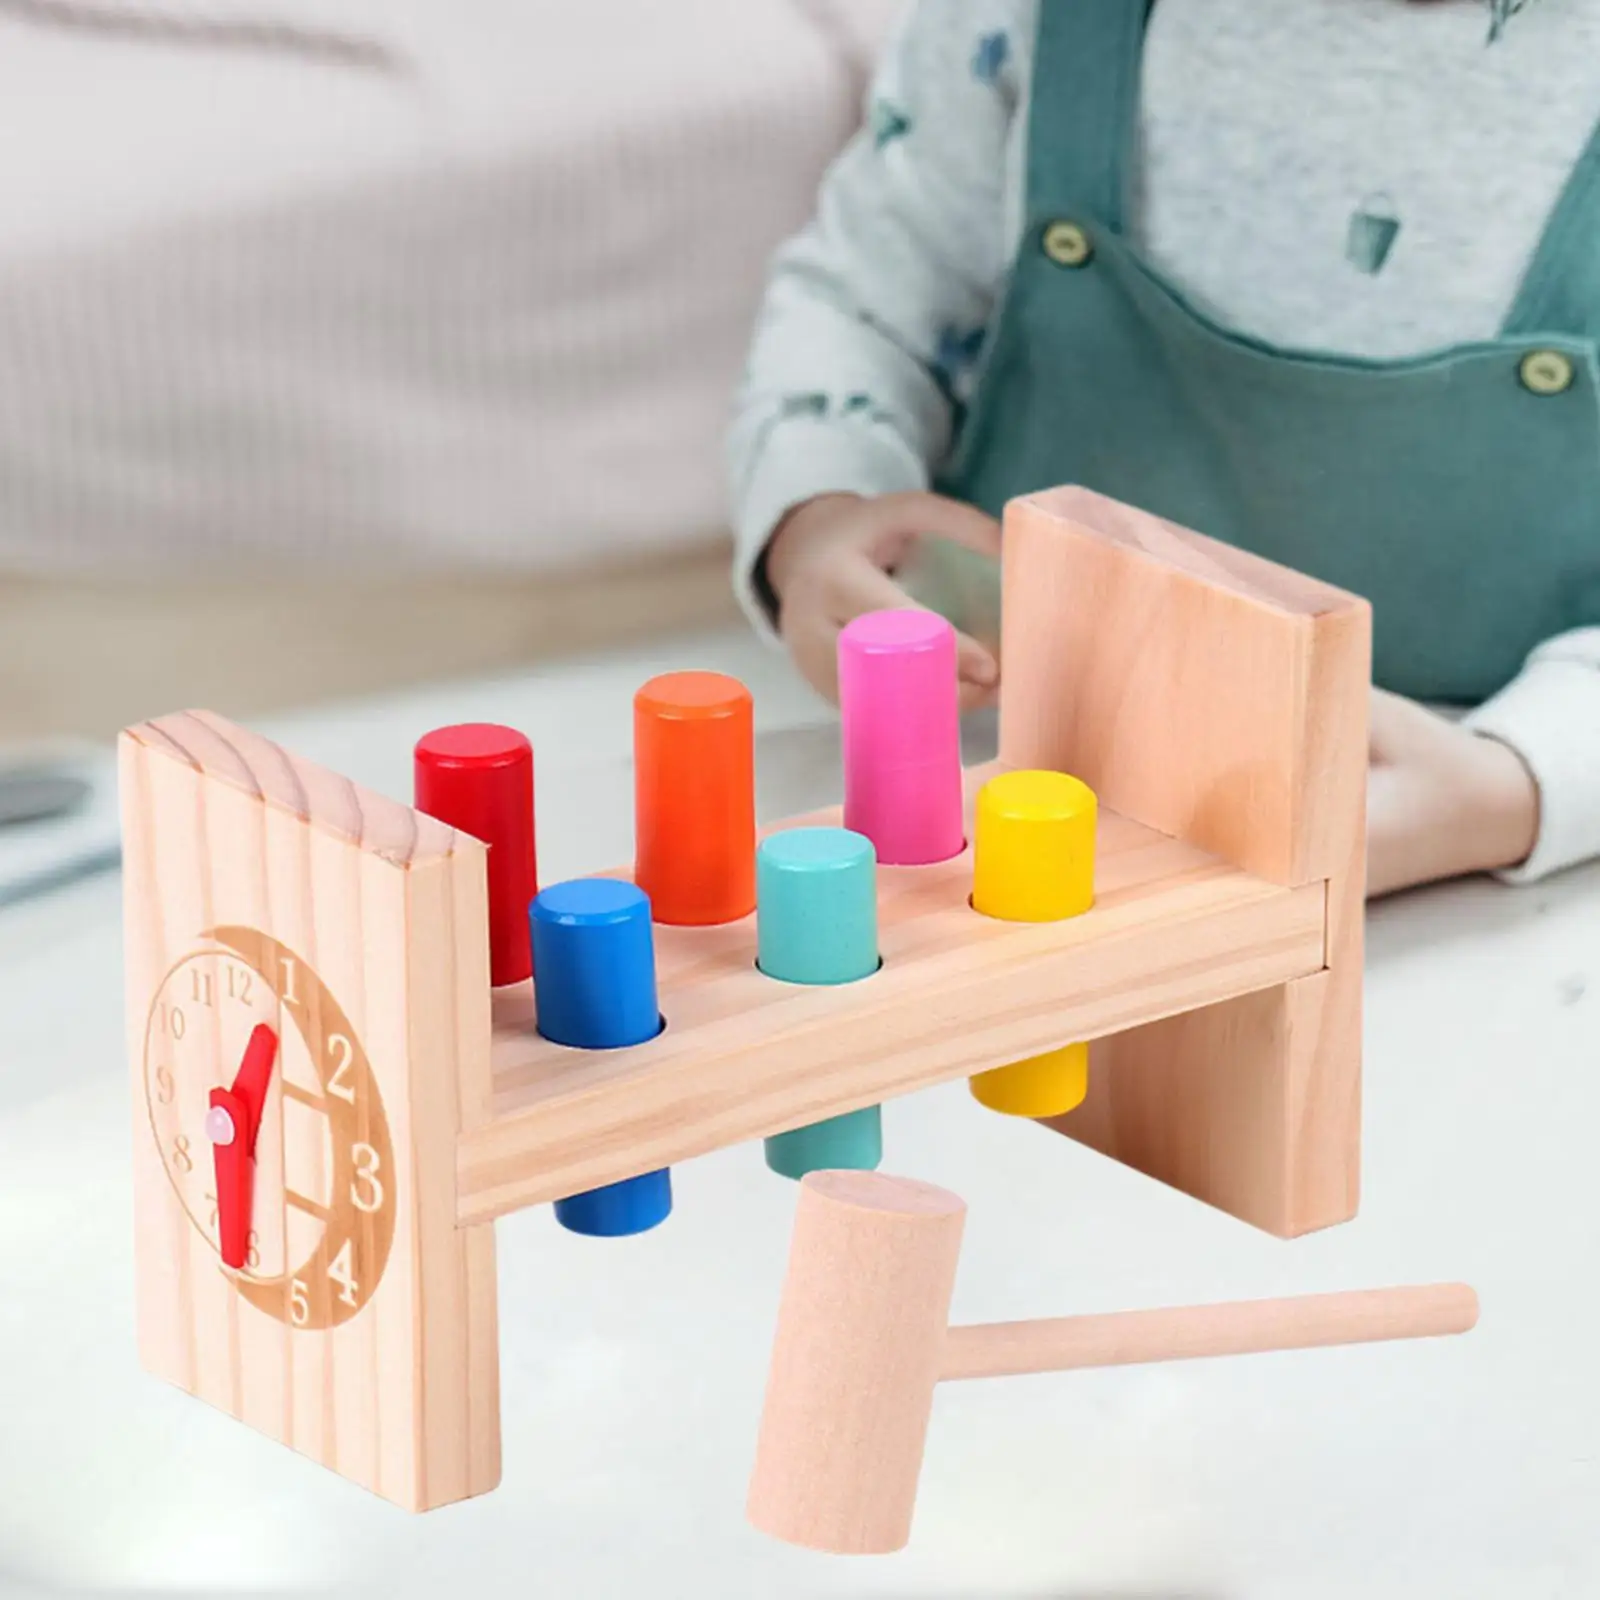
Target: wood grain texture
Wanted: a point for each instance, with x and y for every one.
(861, 1332)
(1222, 700)
(224, 753)
(1188, 1333)
(744, 1056)
(1187, 683)
(233, 846)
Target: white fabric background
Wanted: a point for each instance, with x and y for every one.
(483, 308)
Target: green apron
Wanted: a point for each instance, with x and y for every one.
(1458, 491)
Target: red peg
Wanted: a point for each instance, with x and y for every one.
(478, 777)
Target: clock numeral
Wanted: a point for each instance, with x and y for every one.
(338, 1084)
(252, 1258)
(339, 1271)
(239, 983)
(286, 972)
(200, 983)
(177, 1025)
(166, 1089)
(181, 1158)
(299, 1304)
(365, 1189)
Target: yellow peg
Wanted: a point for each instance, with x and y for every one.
(1043, 1086)
(1033, 861)
(1033, 848)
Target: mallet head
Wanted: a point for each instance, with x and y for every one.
(860, 1341)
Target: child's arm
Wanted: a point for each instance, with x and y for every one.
(872, 325)
(1550, 716)
(1514, 788)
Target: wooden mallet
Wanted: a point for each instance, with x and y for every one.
(864, 1336)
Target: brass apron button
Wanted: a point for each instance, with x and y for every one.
(1546, 372)
(1067, 244)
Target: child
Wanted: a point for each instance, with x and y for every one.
(1319, 277)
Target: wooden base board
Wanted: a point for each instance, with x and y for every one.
(744, 1056)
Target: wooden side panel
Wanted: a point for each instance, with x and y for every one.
(1222, 700)
(1195, 688)
(366, 1337)
(458, 1369)
(177, 1285)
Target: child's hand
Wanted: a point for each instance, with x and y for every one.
(834, 557)
(1441, 801)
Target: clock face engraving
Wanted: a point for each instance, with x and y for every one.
(324, 1204)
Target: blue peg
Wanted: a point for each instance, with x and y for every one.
(594, 975)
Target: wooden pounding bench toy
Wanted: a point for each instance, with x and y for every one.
(343, 1073)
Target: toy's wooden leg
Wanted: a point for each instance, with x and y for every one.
(261, 890)
(1252, 1106)
(1223, 700)
(457, 1338)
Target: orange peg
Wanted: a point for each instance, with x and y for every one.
(694, 800)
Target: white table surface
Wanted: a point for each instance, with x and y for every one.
(632, 1370)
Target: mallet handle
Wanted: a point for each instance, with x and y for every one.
(1182, 1333)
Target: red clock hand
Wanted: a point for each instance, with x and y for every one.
(255, 1071)
(232, 1124)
